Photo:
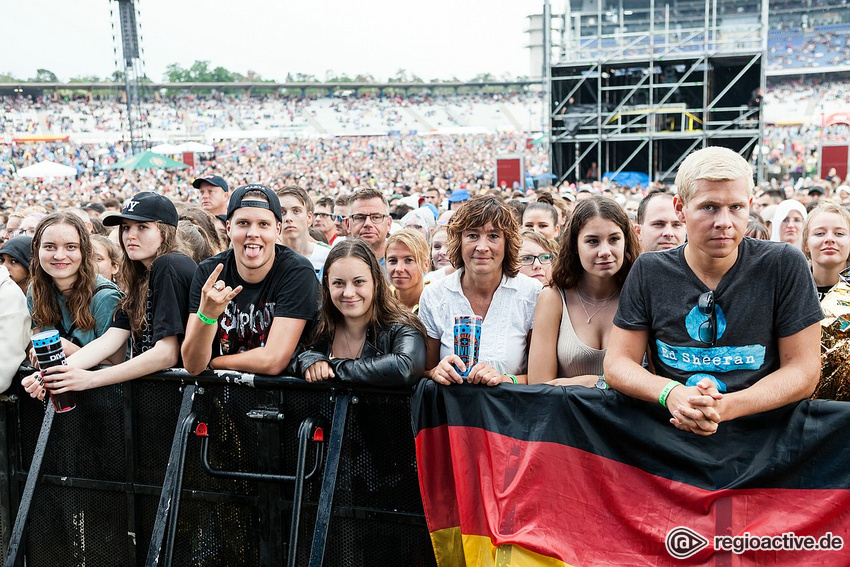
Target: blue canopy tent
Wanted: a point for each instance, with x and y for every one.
(628, 178)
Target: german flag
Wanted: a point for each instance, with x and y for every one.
(542, 475)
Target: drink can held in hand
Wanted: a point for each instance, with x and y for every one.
(48, 351)
(467, 339)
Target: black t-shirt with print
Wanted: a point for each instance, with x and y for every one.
(289, 290)
(167, 306)
(767, 294)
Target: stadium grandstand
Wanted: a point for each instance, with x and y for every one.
(224, 116)
(806, 102)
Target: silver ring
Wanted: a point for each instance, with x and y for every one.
(218, 286)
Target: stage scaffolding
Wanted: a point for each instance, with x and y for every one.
(642, 84)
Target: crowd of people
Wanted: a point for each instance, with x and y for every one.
(167, 117)
(571, 287)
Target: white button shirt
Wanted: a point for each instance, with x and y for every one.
(504, 334)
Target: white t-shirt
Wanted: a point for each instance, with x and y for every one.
(318, 257)
(506, 326)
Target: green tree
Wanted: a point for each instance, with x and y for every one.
(200, 72)
(399, 77)
(221, 75)
(44, 76)
(174, 73)
(8, 78)
(85, 79)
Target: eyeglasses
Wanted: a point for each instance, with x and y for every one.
(323, 215)
(25, 231)
(544, 259)
(338, 218)
(374, 217)
(708, 329)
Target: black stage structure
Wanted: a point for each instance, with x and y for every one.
(642, 97)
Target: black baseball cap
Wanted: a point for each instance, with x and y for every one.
(212, 180)
(146, 207)
(19, 248)
(236, 200)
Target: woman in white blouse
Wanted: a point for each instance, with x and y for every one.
(484, 243)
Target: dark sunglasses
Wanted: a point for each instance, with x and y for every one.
(708, 329)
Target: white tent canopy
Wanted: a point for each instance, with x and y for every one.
(195, 147)
(166, 149)
(47, 169)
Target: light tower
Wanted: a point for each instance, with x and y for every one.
(133, 70)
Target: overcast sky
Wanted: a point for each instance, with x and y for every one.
(432, 38)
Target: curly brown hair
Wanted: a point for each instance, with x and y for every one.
(45, 305)
(477, 212)
(567, 271)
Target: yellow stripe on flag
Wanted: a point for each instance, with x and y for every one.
(453, 549)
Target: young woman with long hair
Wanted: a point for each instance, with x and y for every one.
(826, 243)
(363, 333)
(66, 292)
(153, 313)
(574, 315)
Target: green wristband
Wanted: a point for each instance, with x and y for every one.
(512, 377)
(662, 399)
(207, 320)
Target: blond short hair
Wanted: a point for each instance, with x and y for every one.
(415, 242)
(711, 164)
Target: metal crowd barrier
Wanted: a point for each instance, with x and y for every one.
(220, 469)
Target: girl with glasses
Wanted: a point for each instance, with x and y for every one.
(574, 315)
(536, 256)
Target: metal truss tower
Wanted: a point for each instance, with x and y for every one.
(133, 71)
(640, 86)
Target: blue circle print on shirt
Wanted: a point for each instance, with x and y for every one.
(695, 318)
(692, 381)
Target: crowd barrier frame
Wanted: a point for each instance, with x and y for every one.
(353, 498)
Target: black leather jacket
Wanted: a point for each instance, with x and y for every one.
(392, 356)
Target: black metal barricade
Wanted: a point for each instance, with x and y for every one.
(113, 466)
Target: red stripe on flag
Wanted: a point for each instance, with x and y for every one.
(584, 509)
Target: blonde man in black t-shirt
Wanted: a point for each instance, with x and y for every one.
(718, 350)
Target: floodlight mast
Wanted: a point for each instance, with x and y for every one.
(132, 71)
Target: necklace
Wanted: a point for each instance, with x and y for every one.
(581, 298)
(592, 301)
(351, 351)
